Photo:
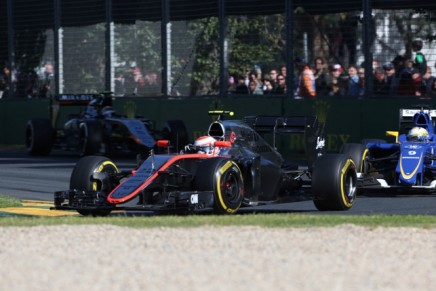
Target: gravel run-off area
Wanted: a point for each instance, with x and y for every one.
(107, 257)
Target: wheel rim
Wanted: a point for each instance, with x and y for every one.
(349, 187)
(107, 167)
(230, 188)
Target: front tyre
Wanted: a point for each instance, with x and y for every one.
(334, 182)
(358, 153)
(81, 179)
(224, 178)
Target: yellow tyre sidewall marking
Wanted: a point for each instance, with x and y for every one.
(221, 171)
(344, 169)
(100, 169)
(362, 162)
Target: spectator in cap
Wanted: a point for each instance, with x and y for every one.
(391, 78)
(338, 80)
(335, 71)
(306, 81)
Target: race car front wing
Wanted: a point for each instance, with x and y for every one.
(175, 201)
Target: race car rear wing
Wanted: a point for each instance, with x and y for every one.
(279, 124)
(75, 99)
(409, 113)
(310, 126)
(407, 118)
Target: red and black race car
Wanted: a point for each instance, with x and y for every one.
(232, 167)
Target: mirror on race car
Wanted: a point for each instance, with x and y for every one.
(163, 143)
(223, 144)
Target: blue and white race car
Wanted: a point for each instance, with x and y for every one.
(405, 166)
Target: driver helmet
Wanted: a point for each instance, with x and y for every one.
(417, 134)
(205, 145)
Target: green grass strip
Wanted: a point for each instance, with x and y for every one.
(8, 201)
(252, 219)
(262, 220)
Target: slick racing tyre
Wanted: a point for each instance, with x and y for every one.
(175, 131)
(334, 182)
(224, 178)
(358, 153)
(39, 137)
(90, 137)
(81, 179)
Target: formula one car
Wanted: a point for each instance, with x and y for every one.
(98, 130)
(232, 167)
(407, 165)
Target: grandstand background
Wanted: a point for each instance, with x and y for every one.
(190, 48)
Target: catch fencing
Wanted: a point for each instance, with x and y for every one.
(181, 48)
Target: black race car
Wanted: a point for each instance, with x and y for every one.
(98, 130)
(234, 166)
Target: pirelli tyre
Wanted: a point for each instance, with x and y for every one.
(334, 182)
(224, 178)
(39, 137)
(358, 153)
(90, 137)
(81, 179)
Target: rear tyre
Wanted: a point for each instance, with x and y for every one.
(81, 179)
(334, 182)
(90, 137)
(175, 131)
(39, 137)
(224, 178)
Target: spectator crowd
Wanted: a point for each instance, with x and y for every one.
(400, 77)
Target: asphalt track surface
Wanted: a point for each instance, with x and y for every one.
(37, 178)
